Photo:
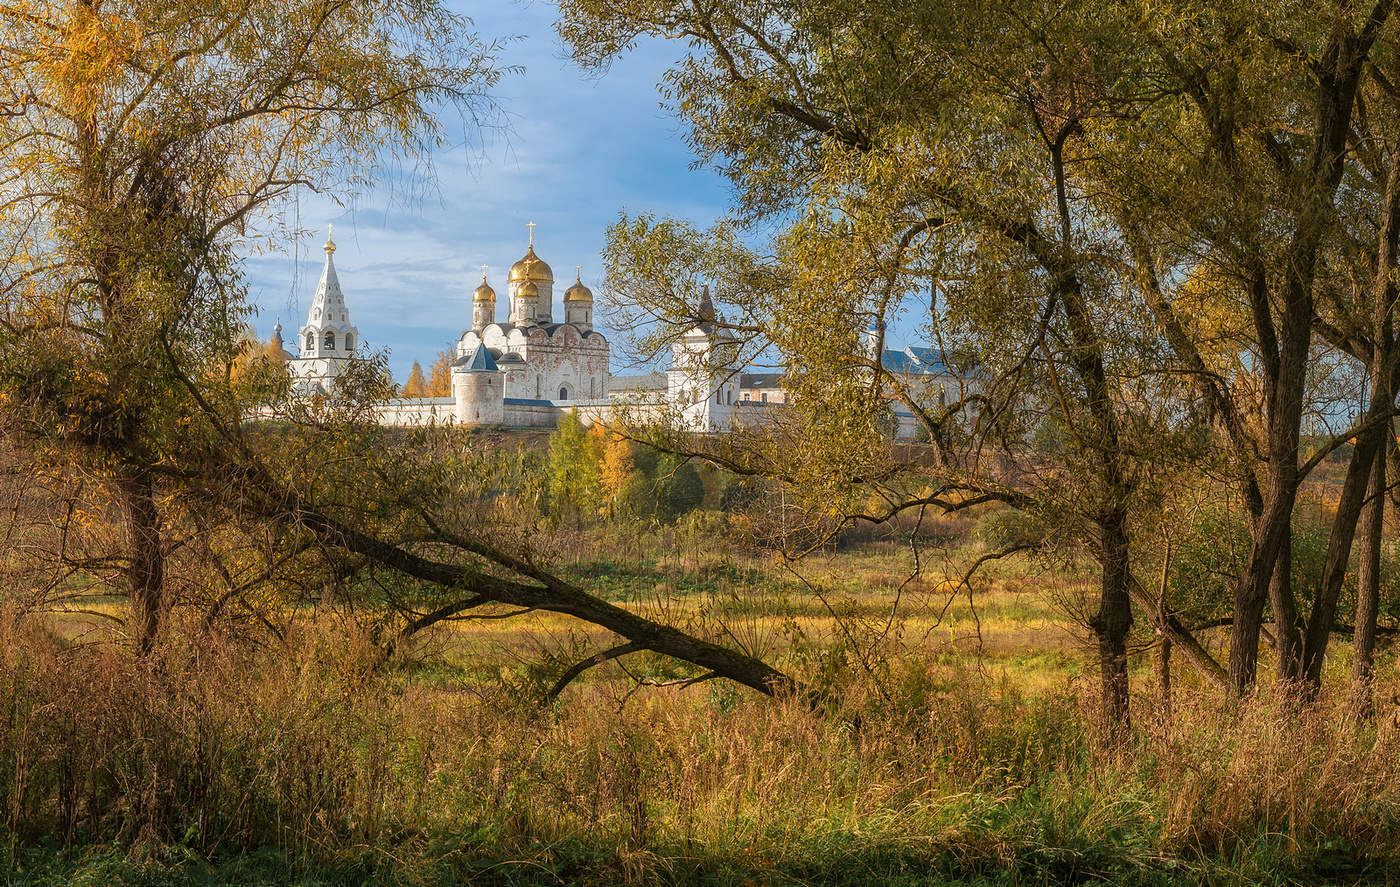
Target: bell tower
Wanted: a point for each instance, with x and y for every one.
(328, 339)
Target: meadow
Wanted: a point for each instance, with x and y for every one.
(957, 742)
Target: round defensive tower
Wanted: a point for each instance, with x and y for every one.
(478, 386)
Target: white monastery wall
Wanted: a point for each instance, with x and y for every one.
(418, 411)
(535, 414)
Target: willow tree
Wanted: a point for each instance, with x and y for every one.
(1272, 185)
(144, 147)
(1061, 178)
(1356, 308)
(939, 159)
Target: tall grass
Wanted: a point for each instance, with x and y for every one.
(376, 777)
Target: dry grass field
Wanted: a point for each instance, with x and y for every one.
(957, 745)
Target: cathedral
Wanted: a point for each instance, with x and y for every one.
(540, 360)
(528, 370)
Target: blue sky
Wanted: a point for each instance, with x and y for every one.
(577, 150)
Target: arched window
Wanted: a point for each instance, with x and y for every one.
(349, 341)
(592, 387)
(719, 397)
(539, 387)
(563, 392)
(329, 340)
(729, 397)
(310, 341)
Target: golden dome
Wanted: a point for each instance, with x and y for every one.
(577, 292)
(531, 267)
(528, 290)
(484, 293)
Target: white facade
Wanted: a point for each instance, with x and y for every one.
(554, 362)
(327, 342)
(703, 382)
(924, 376)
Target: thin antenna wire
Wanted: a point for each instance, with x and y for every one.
(294, 294)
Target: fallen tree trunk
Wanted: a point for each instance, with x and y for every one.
(545, 592)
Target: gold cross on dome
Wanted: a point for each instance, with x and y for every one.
(531, 226)
(578, 273)
(483, 273)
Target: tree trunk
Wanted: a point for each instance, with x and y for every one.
(543, 591)
(1113, 620)
(1289, 635)
(1382, 371)
(1284, 348)
(1353, 497)
(1255, 587)
(145, 568)
(1368, 590)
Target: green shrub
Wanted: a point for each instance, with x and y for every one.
(679, 489)
(1213, 552)
(1205, 561)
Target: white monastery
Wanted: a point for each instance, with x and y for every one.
(530, 369)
